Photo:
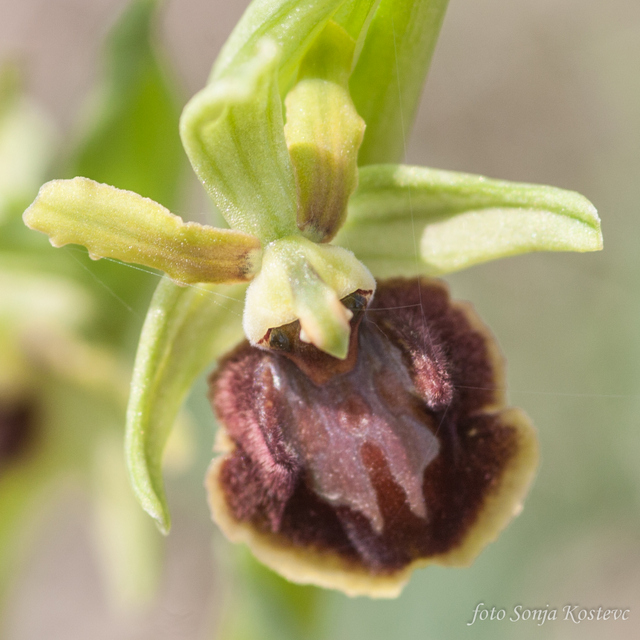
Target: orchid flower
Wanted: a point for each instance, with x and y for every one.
(364, 426)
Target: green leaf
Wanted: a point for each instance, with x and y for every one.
(185, 329)
(407, 220)
(262, 605)
(233, 133)
(121, 224)
(387, 82)
(292, 24)
(131, 139)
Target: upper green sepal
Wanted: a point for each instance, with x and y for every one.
(185, 329)
(121, 224)
(233, 133)
(407, 220)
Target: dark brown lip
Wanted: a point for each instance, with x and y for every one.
(389, 462)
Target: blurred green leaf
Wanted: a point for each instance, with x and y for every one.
(406, 220)
(261, 605)
(186, 329)
(128, 541)
(131, 139)
(387, 81)
(27, 142)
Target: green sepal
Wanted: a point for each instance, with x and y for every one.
(185, 330)
(387, 81)
(330, 56)
(406, 220)
(113, 223)
(355, 16)
(233, 134)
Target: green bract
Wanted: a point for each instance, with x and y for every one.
(302, 93)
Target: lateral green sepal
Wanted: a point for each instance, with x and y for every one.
(405, 220)
(185, 330)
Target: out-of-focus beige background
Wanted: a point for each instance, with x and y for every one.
(539, 91)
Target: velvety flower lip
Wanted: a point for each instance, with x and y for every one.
(404, 457)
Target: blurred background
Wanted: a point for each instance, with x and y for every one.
(541, 91)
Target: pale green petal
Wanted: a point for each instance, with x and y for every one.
(387, 82)
(113, 223)
(185, 330)
(407, 220)
(233, 133)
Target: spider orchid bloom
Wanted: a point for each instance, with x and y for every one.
(363, 427)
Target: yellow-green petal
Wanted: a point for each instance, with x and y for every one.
(113, 223)
(324, 133)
